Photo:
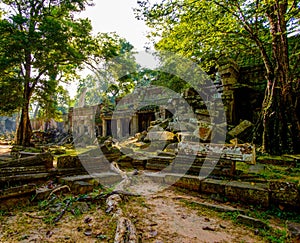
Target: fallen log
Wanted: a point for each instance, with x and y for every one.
(27, 154)
(34, 216)
(58, 189)
(126, 180)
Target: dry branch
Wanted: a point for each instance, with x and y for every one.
(58, 189)
(62, 212)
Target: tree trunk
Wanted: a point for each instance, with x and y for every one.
(24, 129)
(281, 126)
(281, 132)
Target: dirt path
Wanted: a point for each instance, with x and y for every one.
(170, 221)
(164, 217)
(5, 149)
(5, 152)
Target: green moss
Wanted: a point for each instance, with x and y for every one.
(271, 171)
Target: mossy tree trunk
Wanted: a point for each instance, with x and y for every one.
(279, 118)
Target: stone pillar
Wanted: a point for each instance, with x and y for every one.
(119, 128)
(134, 125)
(229, 77)
(81, 128)
(162, 112)
(104, 127)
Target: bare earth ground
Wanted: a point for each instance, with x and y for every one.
(179, 224)
(162, 217)
(5, 150)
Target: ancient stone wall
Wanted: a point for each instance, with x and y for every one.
(243, 91)
(7, 124)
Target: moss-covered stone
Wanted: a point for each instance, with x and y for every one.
(254, 193)
(213, 186)
(284, 193)
(187, 182)
(68, 161)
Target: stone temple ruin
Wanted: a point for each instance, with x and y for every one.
(242, 84)
(7, 124)
(143, 134)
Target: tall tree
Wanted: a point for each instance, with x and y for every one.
(208, 30)
(114, 70)
(40, 41)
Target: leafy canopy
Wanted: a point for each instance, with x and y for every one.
(114, 71)
(211, 30)
(41, 44)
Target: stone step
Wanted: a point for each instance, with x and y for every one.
(25, 177)
(108, 178)
(45, 159)
(17, 191)
(10, 171)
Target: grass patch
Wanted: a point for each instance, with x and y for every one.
(272, 172)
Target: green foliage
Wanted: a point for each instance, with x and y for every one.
(10, 93)
(51, 104)
(210, 30)
(159, 78)
(114, 69)
(41, 45)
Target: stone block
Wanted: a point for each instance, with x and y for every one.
(139, 163)
(172, 148)
(284, 193)
(248, 192)
(166, 154)
(82, 187)
(213, 186)
(241, 131)
(68, 161)
(160, 136)
(69, 180)
(187, 182)
(155, 177)
(107, 179)
(153, 146)
(218, 208)
(95, 164)
(158, 162)
(42, 194)
(25, 190)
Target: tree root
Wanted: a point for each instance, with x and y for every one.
(125, 232)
